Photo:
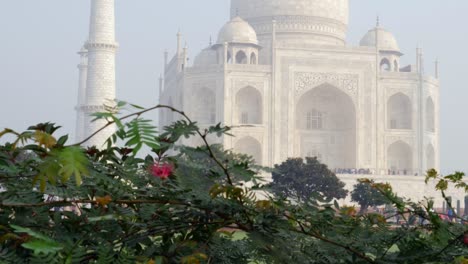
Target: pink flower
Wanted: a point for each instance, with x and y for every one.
(162, 171)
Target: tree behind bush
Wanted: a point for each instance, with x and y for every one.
(365, 195)
(306, 179)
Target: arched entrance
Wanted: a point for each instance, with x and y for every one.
(430, 158)
(385, 65)
(399, 112)
(249, 106)
(241, 58)
(169, 114)
(204, 106)
(250, 146)
(326, 125)
(400, 158)
(430, 115)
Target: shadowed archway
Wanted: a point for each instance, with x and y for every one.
(249, 106)
(400, 158)
(250, 146)
(326, 125)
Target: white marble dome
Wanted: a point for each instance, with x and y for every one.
(321, 21)
(328, 9)
(387, 41)
(206, 57)
(237, 31)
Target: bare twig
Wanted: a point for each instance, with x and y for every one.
(329, 241)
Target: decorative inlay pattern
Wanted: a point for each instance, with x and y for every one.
(239, 84)
(198, 86)
(393, 139)
(349, 83)
(299, 24)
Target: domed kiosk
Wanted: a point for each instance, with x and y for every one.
(386, 40)
(388, 47)
(237, 31)
(240, 40)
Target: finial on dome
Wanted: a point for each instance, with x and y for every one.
(378, 21)
(211, 41)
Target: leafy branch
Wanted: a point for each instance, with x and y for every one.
(203, 136)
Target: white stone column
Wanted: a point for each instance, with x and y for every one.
(100, 85)
(80, 115)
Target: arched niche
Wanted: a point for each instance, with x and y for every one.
(229, 58)
(385, 65)
(326, 124)
(253, 58)
(241, 57)
(249, 105)
(169, 114)
(430, 115)
(250, 146)
(399, 112)
(204, 106)
(400, 158)
(430, 157)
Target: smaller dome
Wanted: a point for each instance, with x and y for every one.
(206, 57)
(237, 31)
(387, 41)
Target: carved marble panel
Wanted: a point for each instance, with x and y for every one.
(210, 84)
(393, 139)
(406, 91)
(239, 84)
(348, 83)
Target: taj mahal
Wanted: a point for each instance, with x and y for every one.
(282, 75)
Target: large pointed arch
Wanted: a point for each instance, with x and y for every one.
(430, 157)
(399, 112)
(253, 58)
(385, 65)
(204, 106)
(430, 115)
(249, 106)
(326, 124)
(400, 158)
(241, 57)
(250, 146)
(169, 114)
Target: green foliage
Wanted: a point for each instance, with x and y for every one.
(61, 164)
(140, 132)
(125, 212)
(38, 242)
(366, 195)
(305, 180)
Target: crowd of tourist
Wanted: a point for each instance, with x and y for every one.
(372, 172)
(355, 171)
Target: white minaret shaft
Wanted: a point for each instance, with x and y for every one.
(80, 117)
(100, 85)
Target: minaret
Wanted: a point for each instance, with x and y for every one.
(80, 115)
(100, 85)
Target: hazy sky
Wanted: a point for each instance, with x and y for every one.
(39, 40)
